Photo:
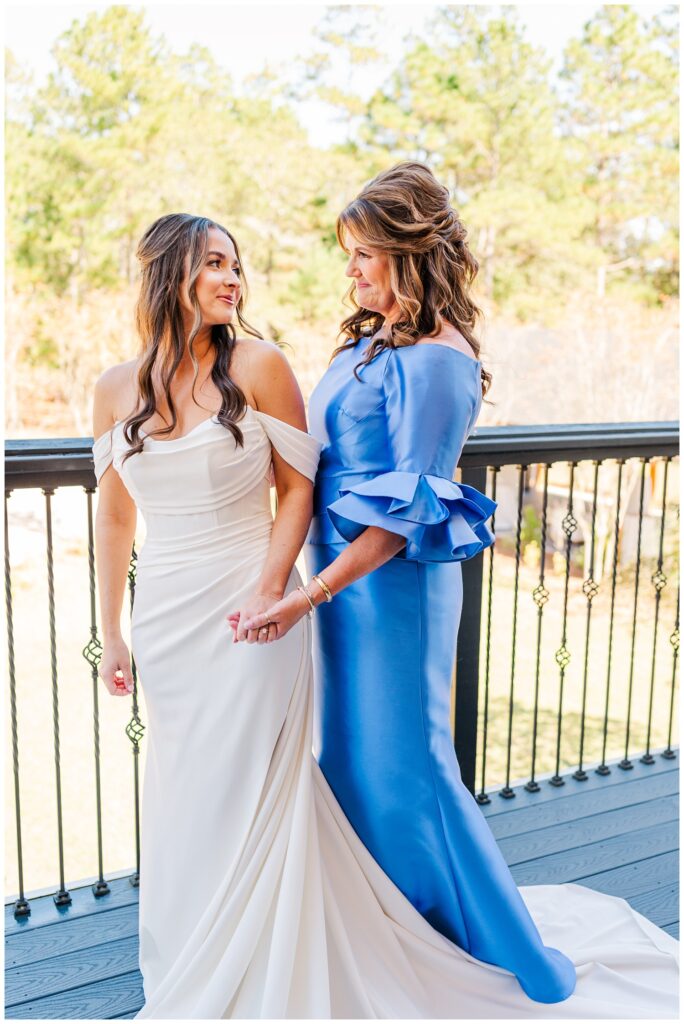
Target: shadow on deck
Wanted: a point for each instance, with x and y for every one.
(616, 833)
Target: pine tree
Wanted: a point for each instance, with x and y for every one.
(620, 116)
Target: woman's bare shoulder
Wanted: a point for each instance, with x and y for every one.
(117, 375)
(260, 351)
(267, 376)
(450, 337)
(116, 391)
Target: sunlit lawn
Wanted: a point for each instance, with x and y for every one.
(500, 650)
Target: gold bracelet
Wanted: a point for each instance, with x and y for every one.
(324, 587)
(307, 595)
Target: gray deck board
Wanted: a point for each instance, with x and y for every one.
(102, 1000)
(571, 865)
(52, 975)
(70, 935)
(517, 820)
(631, 880)
(659, 905)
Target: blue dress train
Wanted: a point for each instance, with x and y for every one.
(384, 649)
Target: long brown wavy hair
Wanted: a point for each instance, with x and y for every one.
(407, 214)
(162, 253)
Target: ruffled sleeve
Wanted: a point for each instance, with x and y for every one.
(298, 449)
(102, 454)
(432, 399)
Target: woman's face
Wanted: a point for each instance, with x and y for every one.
(218, 284)
(369, 268)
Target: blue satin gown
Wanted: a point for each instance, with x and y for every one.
(384, 649)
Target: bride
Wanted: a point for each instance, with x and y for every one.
(257, 899)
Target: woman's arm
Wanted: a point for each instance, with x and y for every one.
(114, 532)
(428, 407)
(369, 551)
(277, 393)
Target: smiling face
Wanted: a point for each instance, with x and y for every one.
(217, 285)
(370, 271)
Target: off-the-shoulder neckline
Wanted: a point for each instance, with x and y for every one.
(449, 348)
(427, 344)
(209, 419)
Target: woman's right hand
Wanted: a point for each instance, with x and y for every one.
(115, 668)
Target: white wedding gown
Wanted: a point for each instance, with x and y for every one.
(257, 899)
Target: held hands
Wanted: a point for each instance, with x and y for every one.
(269, 623)
(256, 604)
(115, 668)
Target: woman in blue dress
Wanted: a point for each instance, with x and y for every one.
(390, 530)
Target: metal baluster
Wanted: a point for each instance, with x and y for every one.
(21, 904)
(590, 589)
(659, 581)
(603, 768)
(482, 797)
(626, 764)
(669, 753)
(134, 731)
(507, 791)
(540, 596)
(61, 897)
(563, 654)
(92, 653)
(468, 646)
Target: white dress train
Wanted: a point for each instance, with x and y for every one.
(257, 899)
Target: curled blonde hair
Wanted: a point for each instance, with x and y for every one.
(407, 214)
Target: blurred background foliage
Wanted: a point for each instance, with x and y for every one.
(567, 181)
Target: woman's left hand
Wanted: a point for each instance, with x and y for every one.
(280, 618)
(256, 604)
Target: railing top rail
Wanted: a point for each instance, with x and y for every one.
(59, 462)
(570, 442)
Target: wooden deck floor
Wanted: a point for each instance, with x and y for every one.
(615, 833)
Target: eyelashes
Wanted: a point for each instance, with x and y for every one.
(217, 263)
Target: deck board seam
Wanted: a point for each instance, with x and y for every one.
(586, 846)
(587, 817)
(75, 988)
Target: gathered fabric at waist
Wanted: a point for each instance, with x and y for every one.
(183, 539)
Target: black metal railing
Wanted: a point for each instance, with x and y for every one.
(48, 465)
(529, 456)
(611, 445)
